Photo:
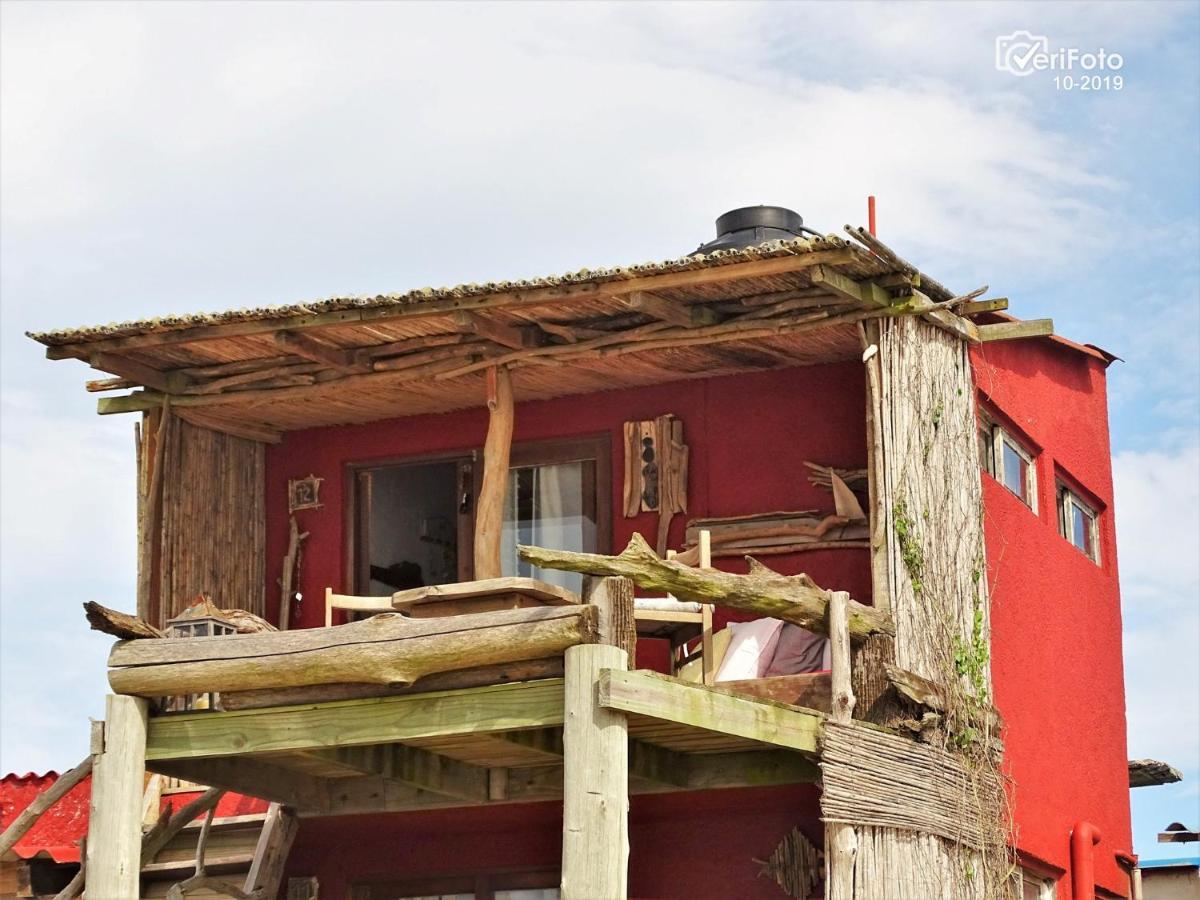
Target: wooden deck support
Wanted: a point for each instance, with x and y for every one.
(840, 840)
(595, 854)
(114, 841)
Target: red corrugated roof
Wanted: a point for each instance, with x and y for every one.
(59, 829)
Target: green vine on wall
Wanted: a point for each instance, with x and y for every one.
(910, 546)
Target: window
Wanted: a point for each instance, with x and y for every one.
(414, 520)
(1031, 885)
(1008, 461)
(1077, 523)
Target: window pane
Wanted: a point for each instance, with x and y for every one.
(547, 506)
(1082, 536)
(1016, 472)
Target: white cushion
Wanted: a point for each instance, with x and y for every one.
(750, 649)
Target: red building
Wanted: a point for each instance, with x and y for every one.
(975, 448)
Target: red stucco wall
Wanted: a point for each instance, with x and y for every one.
(1056, 615)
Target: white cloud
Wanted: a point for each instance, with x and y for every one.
(1158, 525)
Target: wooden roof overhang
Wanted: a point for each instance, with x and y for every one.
(259, 373)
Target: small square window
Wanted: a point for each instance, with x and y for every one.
(1077, 522)
(1006, 459)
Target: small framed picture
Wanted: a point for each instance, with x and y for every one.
(304, 493)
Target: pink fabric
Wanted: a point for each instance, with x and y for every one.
(750, 649)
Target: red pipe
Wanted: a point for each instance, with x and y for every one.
(1084, 836)
(871, 215)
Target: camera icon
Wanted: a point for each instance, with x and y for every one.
(1016, 52)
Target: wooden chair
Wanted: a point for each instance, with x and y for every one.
(355, 604)
(681, 623)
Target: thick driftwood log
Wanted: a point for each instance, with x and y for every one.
(119, 624)
(385, 649)
(489, 511)
(42, 802)
(793, 598)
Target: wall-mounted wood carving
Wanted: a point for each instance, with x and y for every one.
(796, 865)
(656, 470)
(304, 493)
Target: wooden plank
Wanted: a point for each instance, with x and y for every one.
(809, 689)
(595, 851)
(864, 293)
(661, 697)
(444, 305)
(534, 704)
(1009, 331)
(251, 777)
(975, 307)
(114, 841)
(548, 594)
(271, 852)
(416, 768)
(386, 649)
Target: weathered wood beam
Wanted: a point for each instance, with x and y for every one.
(414, 767)
(125, 367)
(250, 777)
(242, 430)
(526, 670)
(840, 837)
(443, 305)
(662, 697)
(512, 336)
(686, 316)
(793, 598)
(385, 649)
(320, 352)
(975, 307)
(507, 707)
(1010, 331)
(114, 840)
(497, 447)
(864, 293)
(595, 851)
(101, 385)
(28, 817)
(271, 852)
(947, 321)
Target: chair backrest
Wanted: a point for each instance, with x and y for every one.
(356, 604)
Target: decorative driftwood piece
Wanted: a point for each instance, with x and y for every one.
(793, 598)
(772, 533)
(28, 817)
(158, 838)
(795, 865)
(656, 471)
(119, 624)
(385, 649)
(245, 622)
(1149, 772)
(287, 579)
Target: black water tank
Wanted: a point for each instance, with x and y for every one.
(752, 225)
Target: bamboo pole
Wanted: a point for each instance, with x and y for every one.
(489, 514)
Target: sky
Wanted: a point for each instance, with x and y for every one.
(175, 157)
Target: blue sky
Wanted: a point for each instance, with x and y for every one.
(164, 158)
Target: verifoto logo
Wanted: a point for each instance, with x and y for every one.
(1022, 53)
(1015, 52)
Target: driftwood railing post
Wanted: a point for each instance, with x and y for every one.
(114, 841)
(840, 841)
(595, 854)
(489, 511)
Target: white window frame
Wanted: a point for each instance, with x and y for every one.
(1000, 438)
(1068, 501)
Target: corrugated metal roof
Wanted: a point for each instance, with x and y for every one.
(766, 250)
(57, 832)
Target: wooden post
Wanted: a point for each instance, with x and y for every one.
(489, 511)
(595, 854)
(841, 843)
(114, 842)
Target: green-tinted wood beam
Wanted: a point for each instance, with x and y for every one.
(661, 697)
(1009, 331)
(350, 723)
